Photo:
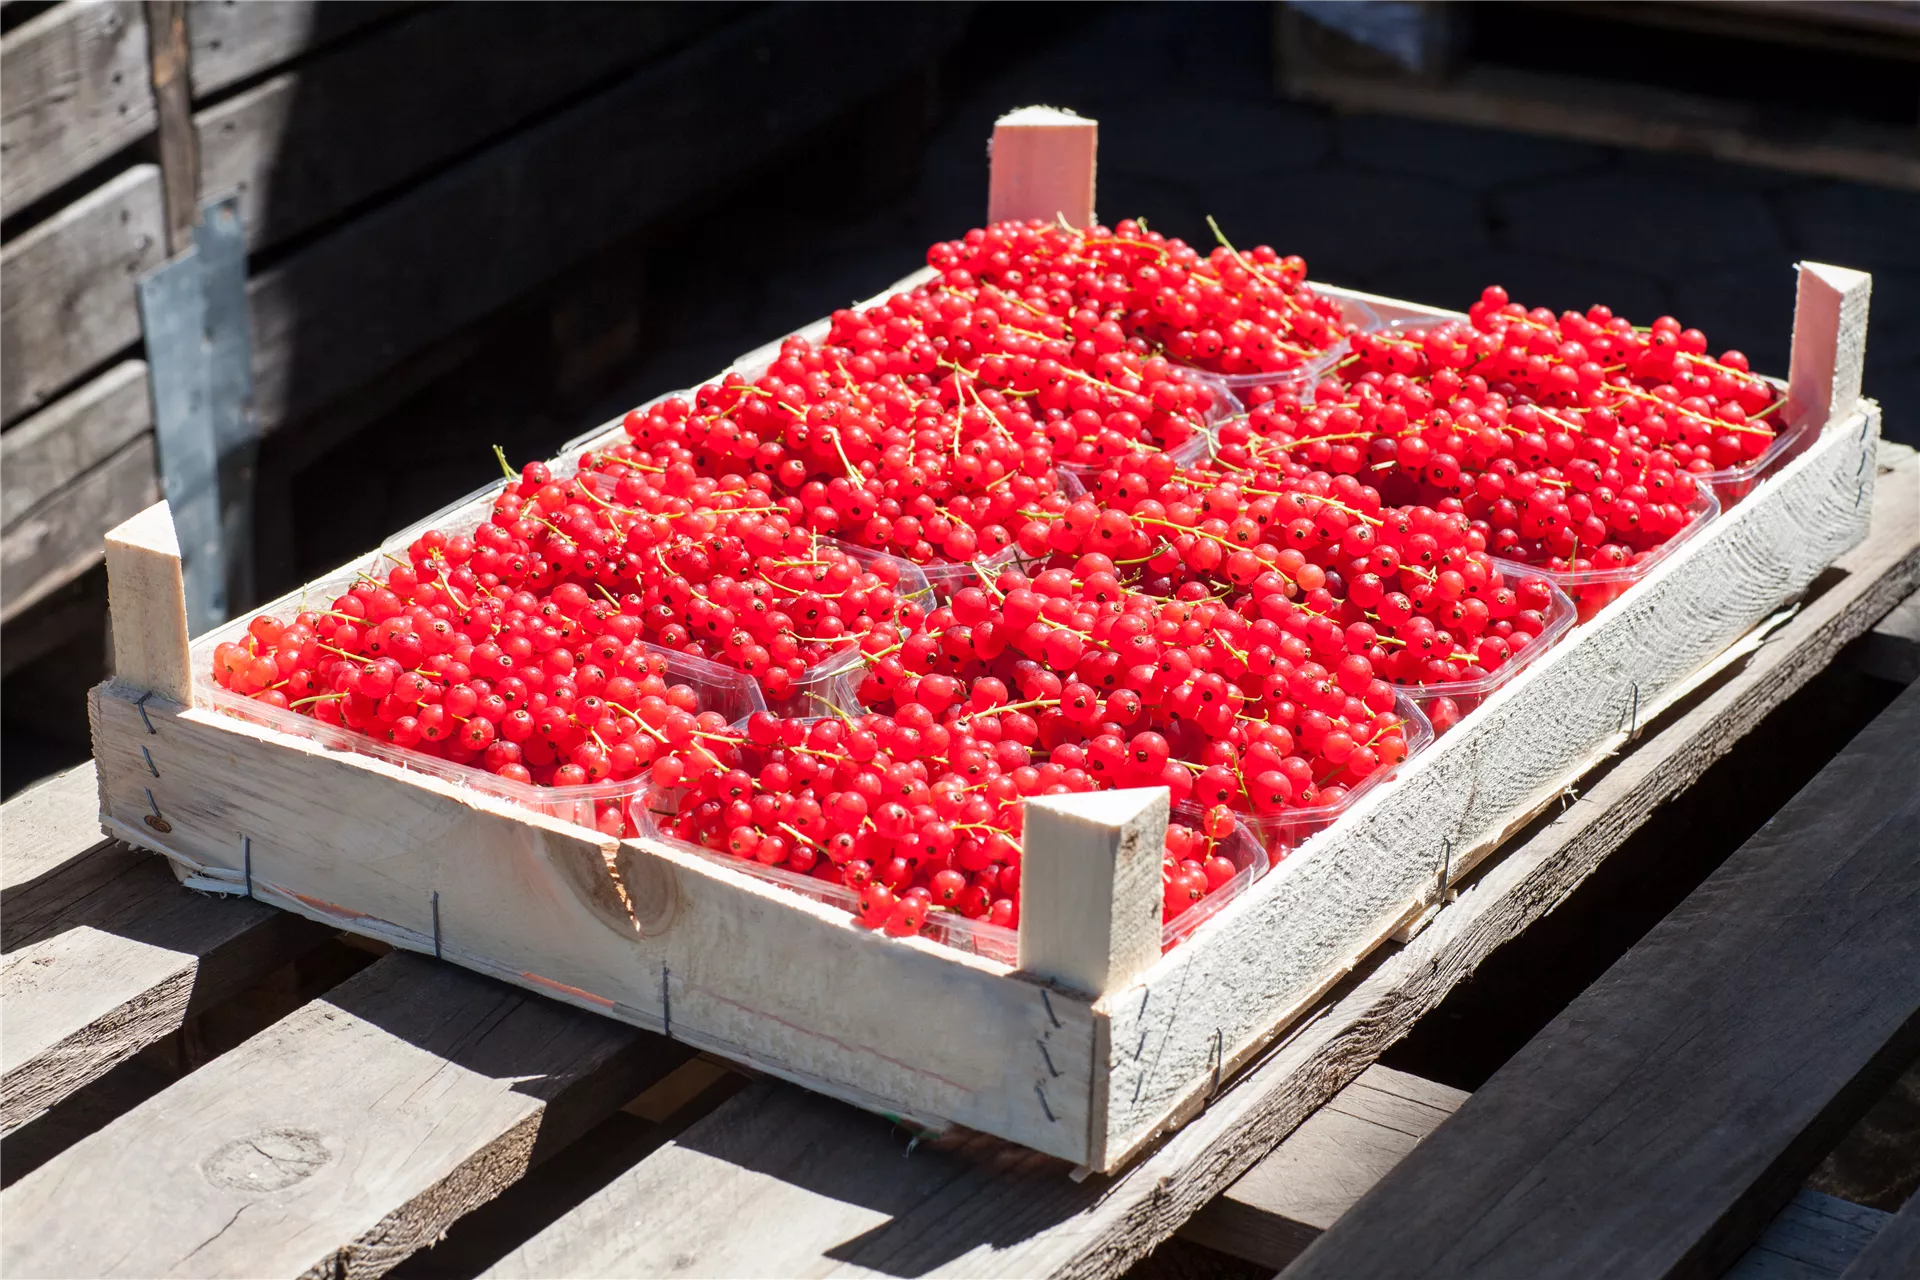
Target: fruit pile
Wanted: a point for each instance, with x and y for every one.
(1241, 629)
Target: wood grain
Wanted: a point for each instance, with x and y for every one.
(339, 1140)
(1283, 1203)
(314, 142)
(179, 145)
(1666, 1114)
(235, 40)
(73, 92)
(850, 1204)
(70, 437)
(338, 313)
(67, 287)
(62, 540)
(108, 954)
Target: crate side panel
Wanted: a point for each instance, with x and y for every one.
(716, 959)
(1231, 987)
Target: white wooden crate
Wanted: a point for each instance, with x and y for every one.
(1094, 1043)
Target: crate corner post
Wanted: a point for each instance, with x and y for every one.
(1042, 165)
(1090, 889)
(1829, 339)
(147, 599)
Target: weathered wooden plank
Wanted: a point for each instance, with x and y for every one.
(235, 40)
(848, 1204)
(67, 288)
(1814, 1238)
(1654, 1125)
(179, 145)
(1283, 1203)
(73, 91)
(49, 825)
(311, 143)
(447, 253)
(1893, 1254)
(337, 1141)
(70, 437)
(108, 954)
(60, 540)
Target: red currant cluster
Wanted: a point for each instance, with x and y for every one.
(914, 814)
(1234, 629)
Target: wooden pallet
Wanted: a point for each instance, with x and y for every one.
(1428, 76)
(762, 1180)
(1675, 1106)
(1094, 1043)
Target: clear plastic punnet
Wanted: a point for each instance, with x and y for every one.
(1445, 703)
(1281, 833)
(1594, 589)
(604, 806)
(1730, 484)
(1225, 407)
(978, 937)
(815, 691)
(1298, 382)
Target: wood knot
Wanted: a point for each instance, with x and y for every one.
(267, 1161)
(653, 890)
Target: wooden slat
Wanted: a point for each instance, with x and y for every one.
(72, 436)
(234, 40)
(178, 144)
(49, 825)
(1614, 113)
(1893, 1254)
(1814, 1238)
(1283, 1203)
(73, 91)
(62, 539)
(67, 288)
(308, 144)
(337, 1141)
(848, 1202)
(108, 954)
(1654, 1125)
(440, 257)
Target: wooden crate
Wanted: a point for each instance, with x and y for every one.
(1094, 1042)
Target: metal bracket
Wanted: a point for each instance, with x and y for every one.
(193, 315)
